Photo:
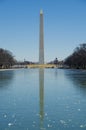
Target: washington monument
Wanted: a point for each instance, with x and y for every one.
(41, 39)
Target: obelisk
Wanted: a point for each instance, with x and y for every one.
(41, 39)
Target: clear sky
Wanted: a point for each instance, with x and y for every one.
(64, 27)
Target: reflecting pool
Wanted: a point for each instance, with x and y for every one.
(43, 99)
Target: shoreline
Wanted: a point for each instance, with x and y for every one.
(10, 69)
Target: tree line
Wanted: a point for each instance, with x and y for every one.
(78, 58)
(6, 58)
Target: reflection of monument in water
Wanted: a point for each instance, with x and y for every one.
(41, 96)
(41, 40)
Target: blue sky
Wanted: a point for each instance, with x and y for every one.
(64, 27)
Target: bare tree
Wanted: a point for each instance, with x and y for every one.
(6, 58)
(78, 58)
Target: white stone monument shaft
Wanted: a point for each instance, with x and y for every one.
(41, 40)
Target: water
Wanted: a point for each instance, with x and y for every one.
(37, 99)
